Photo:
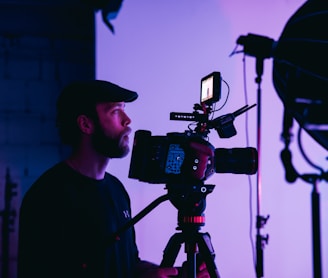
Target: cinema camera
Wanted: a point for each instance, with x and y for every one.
(184, 158)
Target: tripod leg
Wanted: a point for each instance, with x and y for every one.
(207, 253)
(171, 250)
(191, 251)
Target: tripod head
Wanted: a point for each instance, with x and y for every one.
(190, 200)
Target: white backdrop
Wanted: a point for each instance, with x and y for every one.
(161, 49)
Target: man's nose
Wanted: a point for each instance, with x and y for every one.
(126, 120)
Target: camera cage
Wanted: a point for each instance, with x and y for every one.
(187, 157)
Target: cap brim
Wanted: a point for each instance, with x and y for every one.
(107, 91)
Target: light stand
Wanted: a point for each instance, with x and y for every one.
(316, 234)
(261, 48)
(260, 220)
(291, 176)
(8, 215)
(316, 226)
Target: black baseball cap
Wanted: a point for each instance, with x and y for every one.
(80, 97)
(95, 91)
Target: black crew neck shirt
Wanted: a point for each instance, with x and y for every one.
(67, 222)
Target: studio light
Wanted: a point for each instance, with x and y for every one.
(300, 69)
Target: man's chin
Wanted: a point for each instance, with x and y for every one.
(122, 152)
(124, 147)
(125, 153)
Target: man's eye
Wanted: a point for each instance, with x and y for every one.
(116, 111)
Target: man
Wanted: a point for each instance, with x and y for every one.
(70, 213)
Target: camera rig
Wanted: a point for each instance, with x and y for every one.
(183, 161)
(188, 157)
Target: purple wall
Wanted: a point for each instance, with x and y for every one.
(162, 49)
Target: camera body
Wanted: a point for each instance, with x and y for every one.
(177, 157)
(185, 158)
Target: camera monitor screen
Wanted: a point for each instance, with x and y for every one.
(210, 88)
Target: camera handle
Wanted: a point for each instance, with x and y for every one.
(137, 218)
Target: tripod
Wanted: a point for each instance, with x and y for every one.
(190, 202)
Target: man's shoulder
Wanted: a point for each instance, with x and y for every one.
(52, 174)
(49, 181)
(45, 190)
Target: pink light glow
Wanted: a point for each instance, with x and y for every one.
(162, 49)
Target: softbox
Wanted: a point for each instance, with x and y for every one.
(300, 68)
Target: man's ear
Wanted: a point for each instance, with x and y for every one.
(85, 124)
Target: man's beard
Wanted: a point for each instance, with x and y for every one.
(109, 147)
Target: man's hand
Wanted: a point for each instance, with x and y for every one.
(149, 270)
(160, 272)
(201, 271)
